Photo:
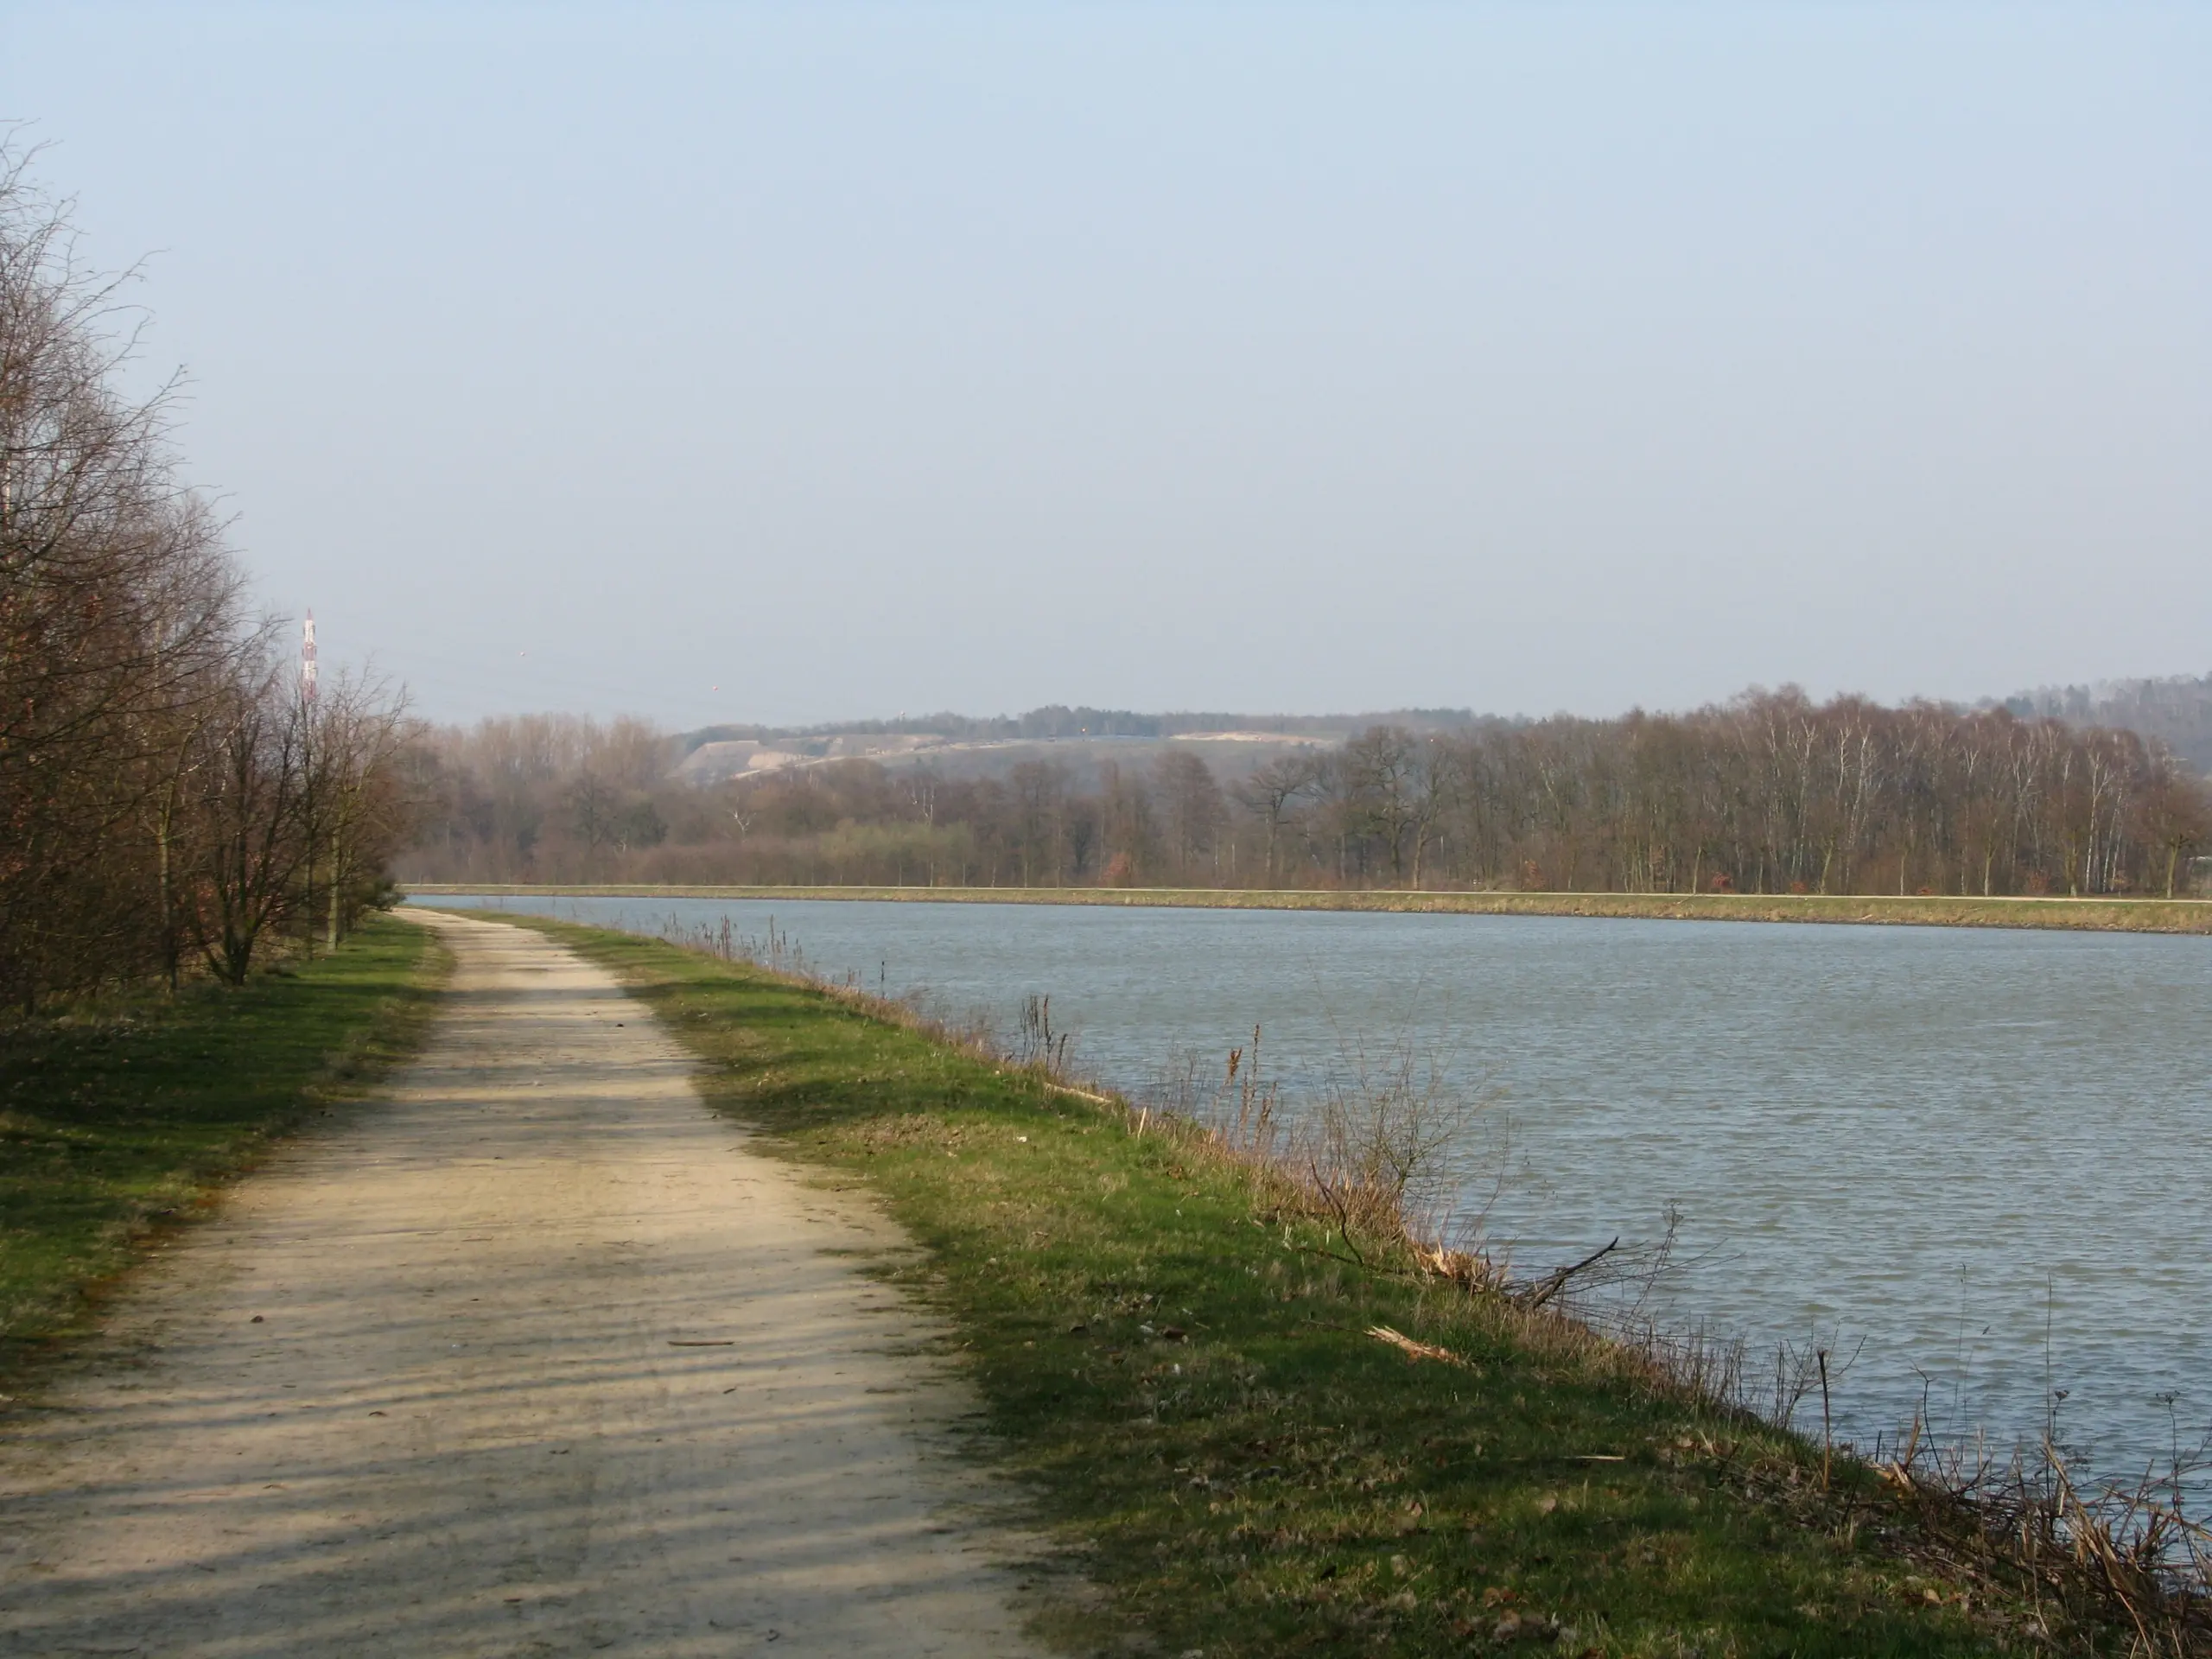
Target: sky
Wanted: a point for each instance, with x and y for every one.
(807, 363)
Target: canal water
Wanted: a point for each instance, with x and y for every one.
(1980, 1160)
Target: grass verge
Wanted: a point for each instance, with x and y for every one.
(120, 1118)
(1189, 1381)
(2094, 915)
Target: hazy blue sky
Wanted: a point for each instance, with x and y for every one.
(858, 359)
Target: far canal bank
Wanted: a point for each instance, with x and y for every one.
(2100, 914)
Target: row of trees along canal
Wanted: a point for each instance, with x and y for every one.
(170, 801)
(1769, 793)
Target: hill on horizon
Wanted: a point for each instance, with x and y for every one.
(1235, 745)
(1055, 721)
(2176, 709)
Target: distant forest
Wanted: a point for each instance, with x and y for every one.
(1769, 793)
(2175, 711)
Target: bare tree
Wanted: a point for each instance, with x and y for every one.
(252, 786)
(2177, 818)
(162, 781)
(358, 728)
(1268, 795)
(1191, 808)
(118, 609)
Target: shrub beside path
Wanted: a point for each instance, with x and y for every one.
(530, 1354)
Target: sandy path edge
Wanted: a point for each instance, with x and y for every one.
(532, 1355)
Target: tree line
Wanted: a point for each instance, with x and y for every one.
(1771, 793)
(172, 799)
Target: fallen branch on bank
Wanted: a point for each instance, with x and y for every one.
(1413, 1349)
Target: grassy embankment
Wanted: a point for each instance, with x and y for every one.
(1181, 1365)
(118, 1119)
(2105, 915)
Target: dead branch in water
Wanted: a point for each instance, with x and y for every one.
(1556, 1280)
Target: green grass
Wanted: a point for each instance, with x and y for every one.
(2099, 914)
(1255, 1474)
(118, 1119)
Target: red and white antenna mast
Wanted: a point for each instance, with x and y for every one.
(306, 660)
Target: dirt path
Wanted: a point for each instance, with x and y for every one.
(531, 1357)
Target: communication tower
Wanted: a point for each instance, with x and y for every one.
(306, 660)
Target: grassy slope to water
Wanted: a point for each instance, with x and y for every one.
(114, 1119)
(1188, 1382)
(2103, 915)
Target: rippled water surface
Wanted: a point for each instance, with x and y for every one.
(1986, 1155)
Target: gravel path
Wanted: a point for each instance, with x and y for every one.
(529, 1356)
